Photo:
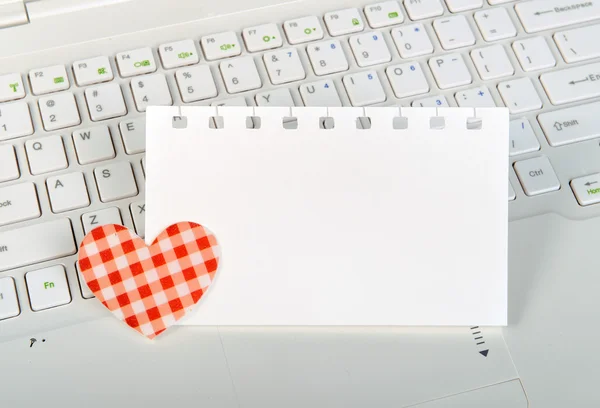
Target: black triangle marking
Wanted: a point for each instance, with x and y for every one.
(484, 352)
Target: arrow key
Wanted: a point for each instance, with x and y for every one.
(587, 189)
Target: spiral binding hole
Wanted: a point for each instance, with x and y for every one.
(474, 123)
(179, 122)
(326, 122)
(437, 123)
(253, 122)
(400, 123)
(289, 122)
(363, 123)
(216, 122)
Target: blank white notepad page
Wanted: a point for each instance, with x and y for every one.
(339, 226)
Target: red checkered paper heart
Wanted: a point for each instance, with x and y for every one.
(149, 287)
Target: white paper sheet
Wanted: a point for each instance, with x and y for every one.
(343, 226)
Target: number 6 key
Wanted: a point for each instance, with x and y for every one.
(240, 74)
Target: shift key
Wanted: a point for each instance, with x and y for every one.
(36, 243)
(572, 84)
(18, 202)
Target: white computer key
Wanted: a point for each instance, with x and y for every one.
(407, 79)
(48, 79)
(343, 22)
(384, 14)
(412, 41)
(48, 288)
(492, 62)
(262, 37)
(275, 97)
(571, 125)
(536, 176)
(9, 167)
(438, 101)
(284, 66)
(151, 90)
(115, 181)
(303, 30)
(92, 71)
(320, 93)
(178, 54)
(327, 57)
(37, 242)
(136, 62)
(221, 45)
(18, 202)
(370, 49)
(133, 133)
(196, 83)
(587, 189)
(95, 219)
(519, 95)
(495, 24)
(456, 6)
(539, 15)
(9, 303)
(420, 9)
(240, 74)
(11, 87)
(15, 120)
(454, 32)
(93, 144)
(364, 88)
(138, 213)
(572, 84)
(46, 154)
(67, 192)
(59, 111)
(105, 102)
(522, 138)
(85, 290)
(575, 45)
(450, 71)
(475, 98)
(534, 54)
(511, 192)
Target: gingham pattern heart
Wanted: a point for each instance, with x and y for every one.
(149, 287)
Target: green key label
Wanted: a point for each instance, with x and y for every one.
(355, 21)
(143, 63)
(184, 55)
(225, 47)
(393, 14)
(593, 191)
(59, 80)
(14, 86)
(102, 71)
(48, 285)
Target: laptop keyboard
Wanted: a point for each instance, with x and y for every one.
(72, 135)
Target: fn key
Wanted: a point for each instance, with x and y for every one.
(537, 176)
